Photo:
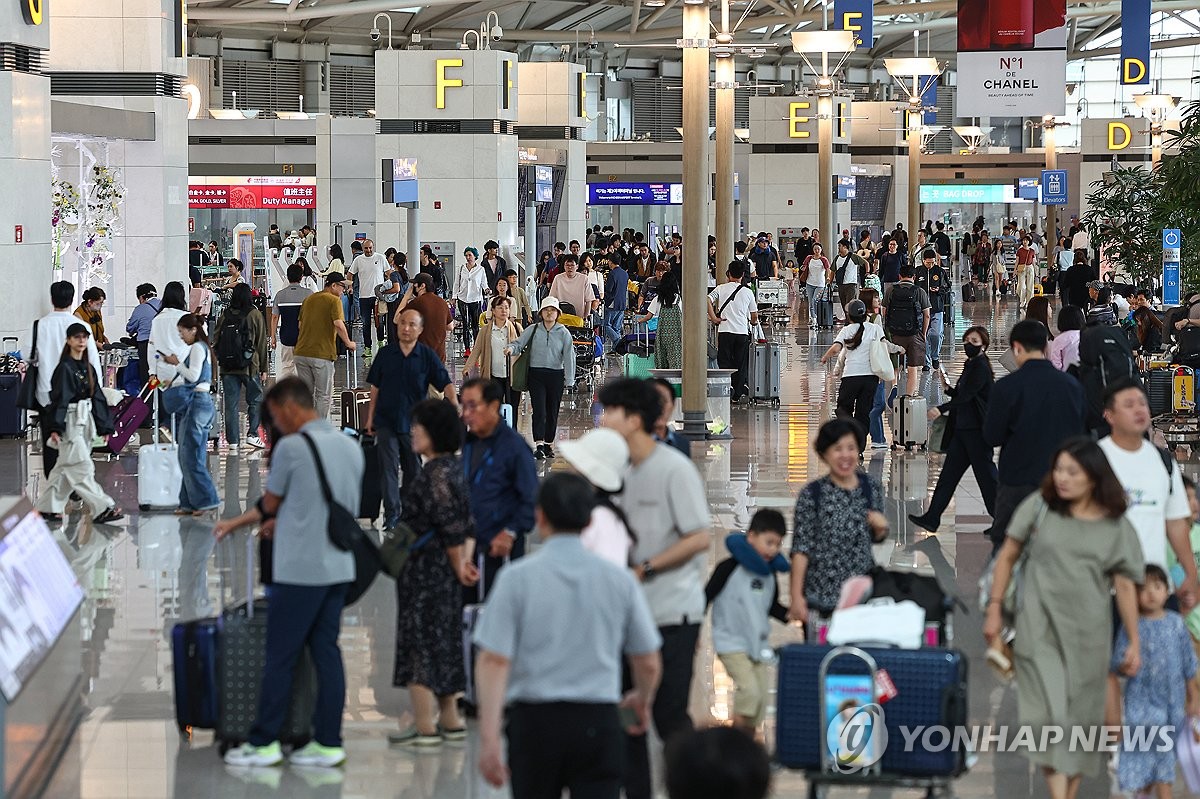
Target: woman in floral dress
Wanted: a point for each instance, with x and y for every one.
(668, 340)
(429, 656)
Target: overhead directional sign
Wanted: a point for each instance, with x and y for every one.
(1054, 186)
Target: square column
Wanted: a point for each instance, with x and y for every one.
(554, 105)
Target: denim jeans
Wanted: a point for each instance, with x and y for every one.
(310, 616)
(233, 394)
(197, 491)
(933, 341)
(877, 436)
(812, 292)
(614, 320)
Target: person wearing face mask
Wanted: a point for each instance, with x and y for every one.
(966, 410)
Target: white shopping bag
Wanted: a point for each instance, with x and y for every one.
(884, 622)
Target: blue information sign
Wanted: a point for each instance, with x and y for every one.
(635, 194)
(1054, 187)
(1171, 245)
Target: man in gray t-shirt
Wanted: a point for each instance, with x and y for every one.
(310, 575)
(666, 507)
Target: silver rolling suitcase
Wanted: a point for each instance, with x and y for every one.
(765, 372)
(911, 423)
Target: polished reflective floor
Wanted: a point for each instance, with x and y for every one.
(156, 570)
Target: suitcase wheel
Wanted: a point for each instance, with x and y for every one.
(144, 508)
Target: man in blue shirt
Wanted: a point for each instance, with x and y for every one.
(139, 323)
(616, 300)
(400, 377)
(502, 478)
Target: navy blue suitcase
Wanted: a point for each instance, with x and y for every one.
(194, 656)
(932, 691)
(12, 418)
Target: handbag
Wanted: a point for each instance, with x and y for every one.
(1011, 602)
(27, 393)
(398, 546)
(345, 534)
(881, 361)
(939, 438)
(518, 370)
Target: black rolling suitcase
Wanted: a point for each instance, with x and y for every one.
(371, 497)
(354, 417)
(241, 662)
(824, 301)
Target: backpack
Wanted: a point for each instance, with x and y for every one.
(903, 311)
(235, 346)
(1104, 357)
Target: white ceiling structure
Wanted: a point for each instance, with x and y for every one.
(536, 28)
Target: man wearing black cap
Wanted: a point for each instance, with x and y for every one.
(494, 265)
(315, 353)
(766, 261)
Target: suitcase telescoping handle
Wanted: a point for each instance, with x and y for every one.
(351, 368)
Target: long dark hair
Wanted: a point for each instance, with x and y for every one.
(241, 299)
(335, 253)
(668, 289)
(1106, 488)
(174, 296)
(857, 338)
(66, 354)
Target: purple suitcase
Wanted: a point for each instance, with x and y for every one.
(127, 418)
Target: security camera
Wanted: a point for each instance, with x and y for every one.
(354, 222)
(497, 33)
(375, 34)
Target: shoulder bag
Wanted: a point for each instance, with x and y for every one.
(345, 534)
(881, 360)
(939, 439)
(27, 394)
(518, 368)
(399, 544)
(1011, 603)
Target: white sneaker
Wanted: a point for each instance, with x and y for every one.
(255, 442)
(313, 754)
(250, 755)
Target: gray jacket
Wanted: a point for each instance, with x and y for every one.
(552, 349)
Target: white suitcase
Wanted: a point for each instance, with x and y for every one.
(910, 426)
(159, 476)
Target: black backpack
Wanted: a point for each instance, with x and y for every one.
(903, 311)
(1105, 357)
(235, 345)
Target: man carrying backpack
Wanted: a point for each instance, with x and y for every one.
(906, 311)
(1105, 358)
(934, 279)
(241, 352)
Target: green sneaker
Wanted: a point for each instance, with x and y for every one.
(251, 755)
(313, 754)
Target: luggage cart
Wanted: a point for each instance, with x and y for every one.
(774, 308)
(1181, 425)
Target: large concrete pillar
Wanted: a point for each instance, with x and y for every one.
(1049, 139)
(695, 218)
(25, 205)
(725, 229)
(826, 223)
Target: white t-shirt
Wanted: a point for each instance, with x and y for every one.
(816, 271)
(370, 273)
(1151, 502)
(851, 275)
(858, 360)
(737, 313)
(606, 537)
(1081, 241)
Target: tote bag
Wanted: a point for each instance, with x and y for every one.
(881, 361)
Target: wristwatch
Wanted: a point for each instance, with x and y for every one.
(648, 571)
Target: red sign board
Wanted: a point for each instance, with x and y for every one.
(19, 234)
(252, 196)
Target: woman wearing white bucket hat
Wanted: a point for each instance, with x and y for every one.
(551, 369)
(601, 457)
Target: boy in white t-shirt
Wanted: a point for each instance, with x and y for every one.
(1158, 503)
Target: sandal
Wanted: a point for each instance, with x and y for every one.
(109, 516)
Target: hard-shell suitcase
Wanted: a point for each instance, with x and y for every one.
(241, 662)
(931, 686)
(911, 424)
(194, 660)
(354, 399)
(765, 371)
(1159, 390)
(470, 620)
(1183, 390)
(824, 303)
(128, 417)
(969, 292)
(12, 418)
(638, 359)
(159, 474)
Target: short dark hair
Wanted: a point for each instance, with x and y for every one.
(290, 389)
(566, 501)
(192, 322)
(767, 520)
(568, 258)
(835, 430)
(423, 279)
(295, 272)
(929, 254)
(1117, 386)
(441, 422)
(982, 332)
(240, 299)
(491, 244)
(489, 390)
(1070, 317)
(634, 396)
(146, 290)
(1103, 295)
(716, 763)
(62, 294)
(908, 270)
(1154, 574)
(1106, 488)
(662, 382)
(234, 262)
(510, 273)
(739, 247)
(735, 270)
(94, 293)
(1030, 334)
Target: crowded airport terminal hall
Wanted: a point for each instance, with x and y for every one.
(616, 399)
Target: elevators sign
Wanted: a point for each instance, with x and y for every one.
(1012, 58)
